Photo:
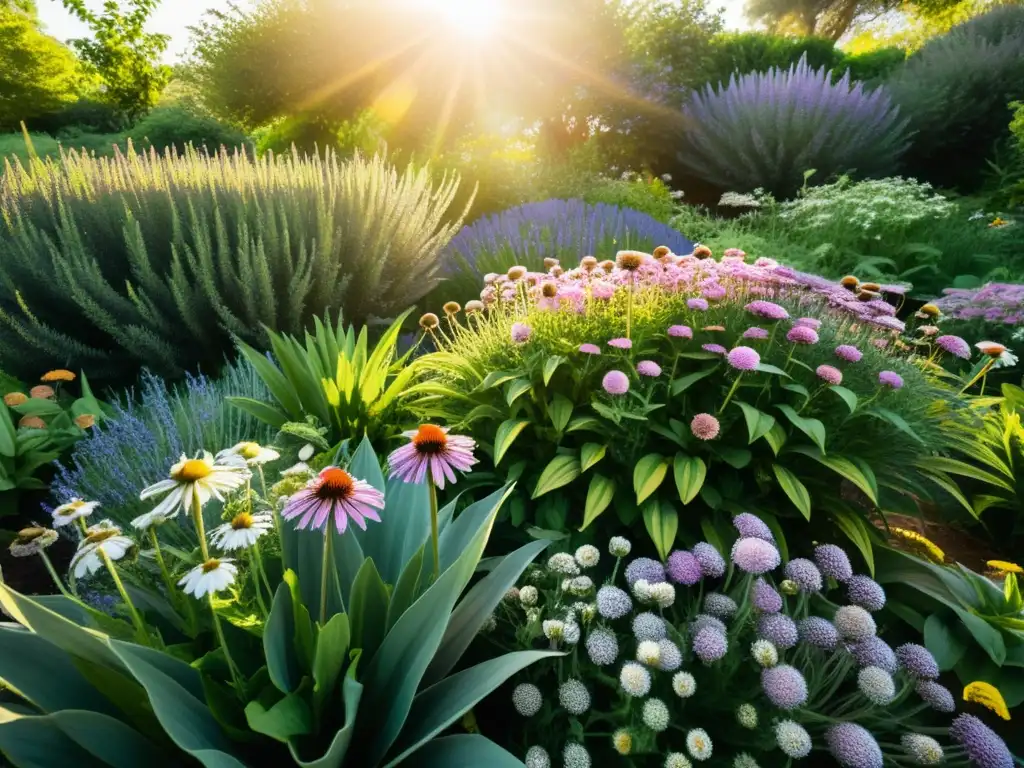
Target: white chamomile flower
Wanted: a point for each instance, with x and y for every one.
(73, 510)
(1003, 357)
(193, 482)
(101, 539)
(648, 652)
(209, 578)
(242, 532)
(253, 453)
(698, 744)
(554, 630)
(306, 452)
(588, 556)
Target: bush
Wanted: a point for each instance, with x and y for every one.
(176, 127)
(872, 66)
(159, 260)
(554, 229)
(767, 130)
(955, 93)
(741, 53)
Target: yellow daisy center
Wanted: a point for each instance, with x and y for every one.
(249, 450)
(241, 521)
(211, 565)
(1005, 566)
(101, 535)
(192, 470)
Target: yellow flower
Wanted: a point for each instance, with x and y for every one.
(930, 310)
(920, 544)
(988, 696)
(1004, 567)
(622, 741)
(58, 375)
(15, 398)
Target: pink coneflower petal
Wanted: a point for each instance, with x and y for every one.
(432, 449)
(334, 492)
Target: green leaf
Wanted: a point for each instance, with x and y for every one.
(710, 496)
(683, 383)
(550, 366)
(279, 642)
(794, 489)
(407, 588)
(987, 636)
(8, 432)
(848, 397)
(859, 532)
(734, 457)
(590, 454)
(765, 368)
(648, 475)
(38, 407)
(662, 523)
(813, 428)
(560, 471)
(280, 388)
(599, 496)
(464, 751)
(265, 412)
(798, 389)
(957, 467)
(897, 421)
(759, 423)
(580, 423)
(560, 411)
(288, 718)
(332, 644)
(351, 693)
(842, 467)
(776, 437)
(941, 640)
(368, 610)
(516, 389)
(689, 473)
(497, 378)
(507, 432)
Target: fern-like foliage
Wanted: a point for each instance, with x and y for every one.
(766, 129)
(158, 260)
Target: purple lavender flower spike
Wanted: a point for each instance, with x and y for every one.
(683, 568)
(981, 743)
(934, 695)
(853, 746)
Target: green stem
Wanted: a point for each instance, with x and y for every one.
(325, 569)
(197, 518)
(140, 626)
(263, 570)
(981, 373)
(235, 676)
(54, 576)
(256, 581)
(172, 593)
(433, 528)
(732, 391)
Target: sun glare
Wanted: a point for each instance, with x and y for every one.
(473, 17)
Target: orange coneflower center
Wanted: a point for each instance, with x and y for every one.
(334, 483)
(241, 521)
(211, 565)
(192, 470)
(992, 349)
(430, 439)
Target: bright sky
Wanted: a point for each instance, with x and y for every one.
(174, 17)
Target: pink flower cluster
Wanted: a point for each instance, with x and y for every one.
(994, 303)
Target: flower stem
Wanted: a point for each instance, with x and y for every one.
(257, 566)
(981, 374)
(197, 518)
(140, 625)
(263, 570)
(172, 593)
(53, 574)
(224, 644)
(732, 391)
(433, 528)
(325, 569)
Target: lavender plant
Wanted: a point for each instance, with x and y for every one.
(766, 129)
(747, 662)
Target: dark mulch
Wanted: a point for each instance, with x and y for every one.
(959, 544)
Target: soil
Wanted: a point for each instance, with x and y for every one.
(958, 544)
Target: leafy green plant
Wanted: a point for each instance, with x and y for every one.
(740, 53)
(178, 127)
(872, 66)
(159, 261)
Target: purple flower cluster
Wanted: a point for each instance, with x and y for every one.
(755, 556)
(833, 562)
(980, 742)
(805, 574)
(955, 346)
(683, 567)
(777, 628)
(710, 645)
(918, 661)
(767, 309)
(647, 569)
(853, 746)
(615, 383)
(802, 334)
(875, 652)
(784, 686)
(994, 303)
(849, 353)
(818, 632)
(756, 333)
(743, 359)
(752, 527)
(765, 598)
(712, 564)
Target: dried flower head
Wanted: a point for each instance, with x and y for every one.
(13, 399)
(32, 541)
(429, 321)
(41, 392)
(630, 261)
(452, 308)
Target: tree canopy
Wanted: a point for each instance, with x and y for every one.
(832, 18)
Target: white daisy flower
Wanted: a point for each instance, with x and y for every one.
(149, 519)
(104, 538)
(1004, 358)
(302, 468)
(253, 453)
(242, 532)
(73, 510)
(215, 575)
(197, 479)
(306, 452)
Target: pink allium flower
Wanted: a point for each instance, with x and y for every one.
(830, 374)
(621, 343)
(431, 447)
(648, 368)
(334, 493)
(698, 304)
(743, 359)
(810, 322)
(590, 349)
(890, 379)
(802, 334)
(768, 310)
(716, 349)
(714, 292)
(755, 556)
(521, 333)
(615, 383)
(599, 289)
(954, 345)
(705, 426)
(755, 333)
(680, 331)
(848, 353)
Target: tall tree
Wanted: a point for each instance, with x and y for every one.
(123, 54)
(830, 18)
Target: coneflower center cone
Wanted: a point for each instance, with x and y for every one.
(335, 484)
(430, 439)
(192, 470)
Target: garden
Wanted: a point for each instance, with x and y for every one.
(554, 383)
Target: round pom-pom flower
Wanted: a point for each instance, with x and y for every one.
(848, 353)
(890, 379)
(602, 647)
(980, 742)
(615, 383)
(877, 685)
(537, 757)
(683, 567)
(680, 331)
(590, 349)
(677, 760)
(955, 346)
(853, 746)
(743, 359)
(575, 756)
(588, 556)
(865, 592)
(810, 322)
(684, 685)
(784, 686)
(918, 661)
(649, 626)
(622, 741)
(746, 716)
(563, 563)
(778, 629)
(698, 744)
(767, 310)
(715, 349)
(764, 653)
(619, 546)
(521, 333)
(755, 556)
(621, 343)
(655, 715)
(752, 527)
(635, 679)
(875, 652)
(805, 574)
(756, 333)
(574, 697)
(648, 368)
(830, 374)
(712, 564)
(648, 652)
(854, 623)
(554, 630)
(765, 598)
(923, 750)
(671, 658)
(710, 645)
(528, 596)
(613, 603)
(645, 568)
(818, 632)
(526, 699)
(802, 334)
(833, 562)
(700, 305)
(934, 695)
(704, 426)
(720, 606)
(793, 739)
(704, 621)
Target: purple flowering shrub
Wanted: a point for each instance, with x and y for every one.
(699, 661)
(659, 392)
(993, 311)
(764, 130)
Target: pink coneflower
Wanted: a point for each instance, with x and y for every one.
(802, 334)
(621, 343)
(680, 331)
(890, 379)
(334, 493)
(648, 368)
(830, 374)
(954, 345)
(615, 383)
(521, 333)
(810, 322)
(590, 349)
(767, 309)
(431, 447)
(705, 426)
(700, 305)
(755, 333)
(716, 349)
(848, 353)
(743, 359)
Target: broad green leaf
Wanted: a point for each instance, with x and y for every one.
(560, 471)
(279, 642)
(464, 751)
(507, 432)
(550, 366)
(590, 454)
(942, 641)
(859, 532)
(843, 467)
(813, 428)
(799, 389)
(648, 475)
(794, 489)
(683, 383)
(351, 694)
(599, 496)
(988, 637)
(368, 610)
(516, 389)
(946, 483)
(265, 412)
(8, 433)
(332, 644)
(662, 523)
(560, 411)
(580, 423)
(288, 718)
(689, 473)
(758, 422)
(957, 467)
(407, 588)
(278, 384)
(711, 496)
(734, 457)
(765, 368)
(848, 397)
(39, 407)
(776, 438)
(497, 378)
(462, 531)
